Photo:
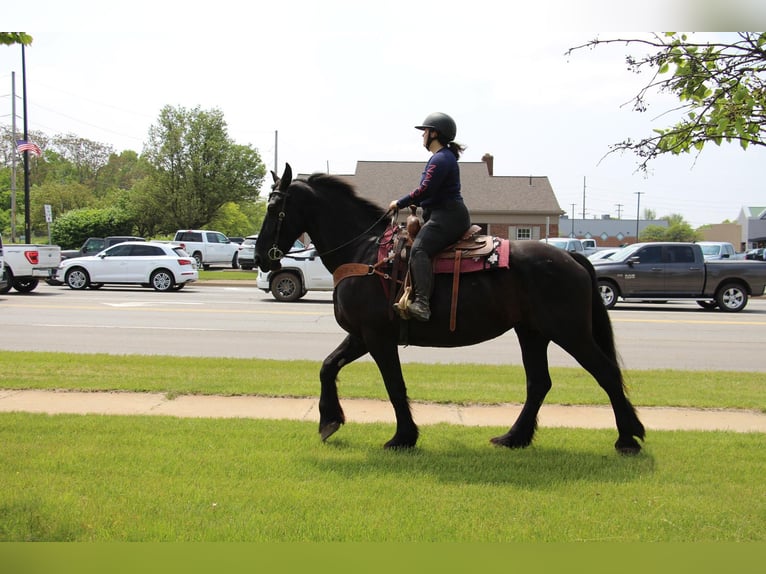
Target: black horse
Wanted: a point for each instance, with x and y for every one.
(546, 295)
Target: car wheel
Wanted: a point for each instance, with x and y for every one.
(707, 304)
(286, 287)
(198, 258)
(608, 293)
(235, 261)
(25, 285)
(9, 280)
(77, 278)
(731, 297)
(162, 280)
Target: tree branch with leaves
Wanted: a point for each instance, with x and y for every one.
(721, 88)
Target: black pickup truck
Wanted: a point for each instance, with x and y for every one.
(669, 271)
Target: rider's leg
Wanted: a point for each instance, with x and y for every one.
(422, 277)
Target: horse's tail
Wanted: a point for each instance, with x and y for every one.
(602, 325)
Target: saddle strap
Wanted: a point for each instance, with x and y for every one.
(455, 286)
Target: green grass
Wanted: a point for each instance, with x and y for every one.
(453, 383)
(98, 478)
(228, 275)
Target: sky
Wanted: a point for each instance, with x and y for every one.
(323, 85)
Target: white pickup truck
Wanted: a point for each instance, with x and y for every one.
(26, 264)
(209, 248)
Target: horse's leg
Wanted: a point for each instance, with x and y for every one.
(386, 356)
(331, 415)
(607, 373)
(534, 353)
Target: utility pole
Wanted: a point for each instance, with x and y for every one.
(276, 151)
(13, 158)
(638, 210)
(583, 197)
(27, 222)
(619, 210)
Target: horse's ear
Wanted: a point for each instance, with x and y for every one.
(274, 176)
(287, 177)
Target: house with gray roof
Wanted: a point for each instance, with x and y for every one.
(514, 207)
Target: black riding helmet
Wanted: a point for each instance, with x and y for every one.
(443, 124)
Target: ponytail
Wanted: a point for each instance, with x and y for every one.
(456, 149)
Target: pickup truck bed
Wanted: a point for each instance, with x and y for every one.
(26, 264)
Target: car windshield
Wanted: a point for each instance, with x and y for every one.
(626, 252)
(711, 249)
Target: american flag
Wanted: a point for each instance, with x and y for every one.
(33, 148)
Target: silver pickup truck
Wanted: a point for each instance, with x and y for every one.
(670, 271)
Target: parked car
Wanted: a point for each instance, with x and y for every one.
(714, 250)
(665, 271)
(94, 245)
(209, 248)
(25, 264)
(161, 266)
(568, 243)
(302, 271)
(246, 256)
(758, 254)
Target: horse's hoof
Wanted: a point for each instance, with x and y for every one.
(392, 445)
(628, 447)
(398, 442)
(508, 442)
(326, 431)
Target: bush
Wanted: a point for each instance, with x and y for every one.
(71, 229)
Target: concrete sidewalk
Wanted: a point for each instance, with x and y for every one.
(360, 410)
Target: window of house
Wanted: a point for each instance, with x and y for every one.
(523, 233)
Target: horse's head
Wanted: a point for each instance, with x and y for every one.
(278, 232)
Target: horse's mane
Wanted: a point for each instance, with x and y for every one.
(331, 185)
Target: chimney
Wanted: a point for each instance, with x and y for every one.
(489, 159)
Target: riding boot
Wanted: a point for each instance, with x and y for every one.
(422, 277)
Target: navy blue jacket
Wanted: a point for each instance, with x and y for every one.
(440, 182)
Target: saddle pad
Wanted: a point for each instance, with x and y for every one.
(498, 258)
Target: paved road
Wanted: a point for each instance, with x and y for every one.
(241, 321)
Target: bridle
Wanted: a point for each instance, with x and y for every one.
(275, 253)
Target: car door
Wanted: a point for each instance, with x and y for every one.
(683, 274)
(142, 261)
(111, 266)
(647, 272)
(217, 247)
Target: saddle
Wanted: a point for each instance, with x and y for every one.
(468, 254)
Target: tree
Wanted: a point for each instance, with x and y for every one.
(677, 230)
(721, 87)
(10, 38)
(198, 168)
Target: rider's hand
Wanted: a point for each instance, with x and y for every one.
(393, 207)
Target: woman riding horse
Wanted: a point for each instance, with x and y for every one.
(445, 215)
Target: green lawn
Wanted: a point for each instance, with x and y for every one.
(100, 478)
(124, 478)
